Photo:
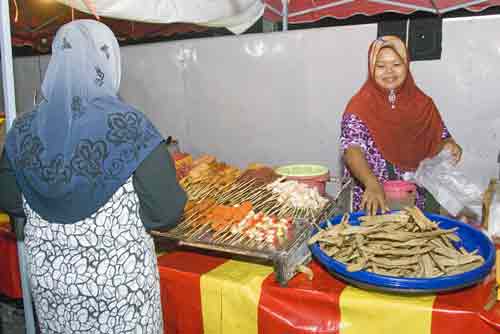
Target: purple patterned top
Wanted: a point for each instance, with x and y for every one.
(355, 132)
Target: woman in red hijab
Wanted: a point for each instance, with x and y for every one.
(389, 126)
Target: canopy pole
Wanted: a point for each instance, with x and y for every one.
(318, 8)
(7, 67)
(10, 115)
(284, 15)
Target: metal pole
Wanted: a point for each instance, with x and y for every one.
(7, 67)
(10, 115)
(318, 8)
(284, 14)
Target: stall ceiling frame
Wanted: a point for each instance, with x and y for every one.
(306, 11)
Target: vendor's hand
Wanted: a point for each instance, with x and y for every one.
(373, 199)
(455, 149)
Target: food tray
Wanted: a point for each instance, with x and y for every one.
(471, 237)
(206, 241)
(285, 258)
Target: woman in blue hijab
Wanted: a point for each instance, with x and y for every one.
(92, 176)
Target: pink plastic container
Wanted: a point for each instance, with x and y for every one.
(315, 176)
(400, 193)
(318, 182)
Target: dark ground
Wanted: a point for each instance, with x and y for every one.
(11, 316)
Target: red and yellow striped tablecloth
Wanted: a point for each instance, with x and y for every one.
(211, 295)
(10, 279)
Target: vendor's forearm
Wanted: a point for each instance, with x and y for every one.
(355, 160)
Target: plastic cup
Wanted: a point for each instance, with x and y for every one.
(400, 194)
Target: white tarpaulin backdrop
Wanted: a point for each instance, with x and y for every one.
(277, 98)
(235, 15)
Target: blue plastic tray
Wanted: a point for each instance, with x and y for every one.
(471, 239)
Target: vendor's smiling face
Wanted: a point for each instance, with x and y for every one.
(390, 70)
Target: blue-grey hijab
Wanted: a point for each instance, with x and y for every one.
(82, 143)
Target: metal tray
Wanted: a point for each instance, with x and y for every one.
(285, 258)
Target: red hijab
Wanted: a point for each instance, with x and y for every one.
(405, 130)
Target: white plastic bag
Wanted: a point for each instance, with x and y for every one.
(449, 186)
(494, 216)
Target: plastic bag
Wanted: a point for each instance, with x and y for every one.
(449, 186)
(494, 217)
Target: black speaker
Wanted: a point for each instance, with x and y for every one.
(425, 36)
(397, 28)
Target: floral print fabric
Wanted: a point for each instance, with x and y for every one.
(82, 142)
(98, 275)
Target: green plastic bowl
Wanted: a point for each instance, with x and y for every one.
(302, 170)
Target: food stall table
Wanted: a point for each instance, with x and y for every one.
(207, 294)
